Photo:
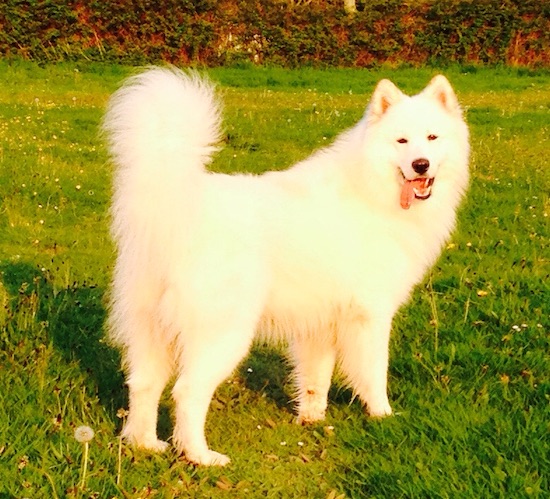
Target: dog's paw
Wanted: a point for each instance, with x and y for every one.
(379, 411)
(156, 445)
(149, 442)
(159, 446)
(311, 408)
(306, 418)
(208, 458)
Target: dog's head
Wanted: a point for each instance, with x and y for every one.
(415, 136)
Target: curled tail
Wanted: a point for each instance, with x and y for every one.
(162, 128)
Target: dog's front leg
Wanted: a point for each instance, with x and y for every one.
(364, 357)
(314, 362)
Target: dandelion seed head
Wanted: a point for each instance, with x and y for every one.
(83, 434)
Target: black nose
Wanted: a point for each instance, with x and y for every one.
(421, 165)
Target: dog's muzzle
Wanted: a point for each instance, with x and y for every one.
(417, 188)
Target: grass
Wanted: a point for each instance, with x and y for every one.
(470, 369)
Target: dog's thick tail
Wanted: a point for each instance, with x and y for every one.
(162, 127)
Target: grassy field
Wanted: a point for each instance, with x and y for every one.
(470, 367)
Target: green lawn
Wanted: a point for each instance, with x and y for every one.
(470, 368)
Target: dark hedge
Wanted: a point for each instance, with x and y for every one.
(319, 33)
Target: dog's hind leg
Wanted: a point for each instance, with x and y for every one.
(149, 367)
(314, 362)
(208, 357)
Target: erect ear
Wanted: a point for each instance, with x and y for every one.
(385, 95)
(440, 89)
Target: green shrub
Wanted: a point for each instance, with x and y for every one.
(279, 32)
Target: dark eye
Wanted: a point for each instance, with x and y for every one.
(402, 141)
(432, 137)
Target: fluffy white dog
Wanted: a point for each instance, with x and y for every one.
(321, 255)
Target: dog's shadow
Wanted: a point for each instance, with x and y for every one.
(74, 317)
(266, 371)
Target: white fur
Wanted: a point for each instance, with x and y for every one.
(321, 255)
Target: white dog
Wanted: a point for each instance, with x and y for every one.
(322, 254)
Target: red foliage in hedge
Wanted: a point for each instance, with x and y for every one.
(222, 32)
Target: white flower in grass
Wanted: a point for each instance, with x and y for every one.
(83, 434)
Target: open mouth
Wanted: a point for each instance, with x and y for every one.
(417, 188)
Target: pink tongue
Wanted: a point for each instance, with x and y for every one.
(407, 191)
